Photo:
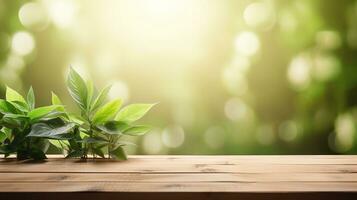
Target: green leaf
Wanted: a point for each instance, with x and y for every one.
(126, 143)
(107, 112)
(21, 106)
(113, 127)
(13, 120)
(100, 98)
(137, 130)
(75, 153)
(98, 151)
(133, 112)
(45, 131)
(118, 153)
(37, 154)
(90, 89)
(12, 95)
(3, 136)
(77, 89)
(93, 140)
(40, 112)
(7, 107)
(76, 119)
(56, 101)
(53, 115)
(60, 144)
(31, 99)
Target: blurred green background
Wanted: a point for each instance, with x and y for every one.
(231, 77)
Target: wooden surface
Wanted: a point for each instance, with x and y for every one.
(184, 174)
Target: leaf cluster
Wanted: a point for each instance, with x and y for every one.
(96, 130)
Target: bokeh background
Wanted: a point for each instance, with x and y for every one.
(231, 77)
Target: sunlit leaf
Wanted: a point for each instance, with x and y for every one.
(40, 112)
(12, 95)
(90, 89)
(107, 112)
(56, 101)
(133, 112)
(7, 107)
(60, 144)
(100, 98)
(31, 99)
(137, 130)
(77, 89)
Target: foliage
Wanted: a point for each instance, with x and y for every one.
(28, 131)
(101, 125)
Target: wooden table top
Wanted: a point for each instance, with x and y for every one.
(183, 174)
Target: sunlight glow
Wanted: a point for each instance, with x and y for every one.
(259, 15)
(33, 15)
(23, 43)
(247, 43)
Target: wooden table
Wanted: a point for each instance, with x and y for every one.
(182, 177)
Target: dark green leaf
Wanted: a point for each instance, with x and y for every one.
(77, 89)
(118, 153)
(37, 154)
(92, 140)
(75, 154)
(45, 131)
(98, 151)
(113, 127)
(3, 136)
(13, 120)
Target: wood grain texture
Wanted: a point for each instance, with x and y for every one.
(167, 174)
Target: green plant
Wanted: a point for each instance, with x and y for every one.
(97, 130)
(21, 123)
(101, 125)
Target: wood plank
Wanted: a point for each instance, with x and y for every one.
(176, 178)
(253, 174)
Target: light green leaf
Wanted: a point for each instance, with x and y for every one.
(137, 130)
(21, 106)
(100, 98)
(90, 89)
(31, 99)
(7, 107)
(133, 112)
(118, 153)
(77, 89)
(40, 112)
(12, 95)
(107, 112)
(45, 131)
(56, 101)
(60, 144)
